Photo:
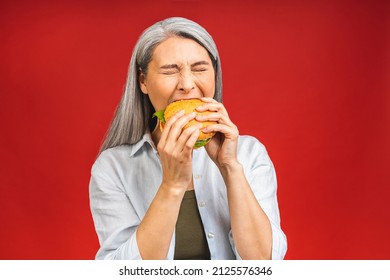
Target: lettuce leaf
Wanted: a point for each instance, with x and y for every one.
(160, 115)
(201, 143)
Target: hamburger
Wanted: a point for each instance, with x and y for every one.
(189, 106)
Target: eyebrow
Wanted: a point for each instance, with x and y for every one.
(169, 66)
(202, 62)
(175, 66)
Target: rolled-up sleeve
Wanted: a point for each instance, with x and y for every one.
(115, 218)
(262, 179)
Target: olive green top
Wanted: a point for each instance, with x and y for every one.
(191, 243)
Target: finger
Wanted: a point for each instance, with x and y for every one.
(191, 141)
(213, 107)
(174, 118)
(168, 125)
(171, 134)
(211, 117)
(208, 100)
(230, 132)
(215, 117)
(175, 128)
(188, 138)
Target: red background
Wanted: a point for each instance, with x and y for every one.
(310, 79)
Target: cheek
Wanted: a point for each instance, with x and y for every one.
(159, 93)
(161, 88)
(208, 86)
(209, 92)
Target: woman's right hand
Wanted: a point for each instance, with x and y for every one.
(175, 149)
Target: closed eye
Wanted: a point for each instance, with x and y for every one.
(200, 66)
(199, 69)
(170, 69)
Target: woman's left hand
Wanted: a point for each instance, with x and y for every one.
(222, 148)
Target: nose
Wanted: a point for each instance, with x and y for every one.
(186, 82)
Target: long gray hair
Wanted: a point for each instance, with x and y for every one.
(133, 116)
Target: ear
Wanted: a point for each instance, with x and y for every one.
(142, 82)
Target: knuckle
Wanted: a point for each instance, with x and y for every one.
(236, 131)
(188, 131)
(163, 150)
(177, 125)
(188, 145)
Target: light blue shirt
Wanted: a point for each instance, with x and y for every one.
(126, 178)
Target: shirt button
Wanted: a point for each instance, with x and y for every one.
(202, 204)
(210, 235)
(197, 176)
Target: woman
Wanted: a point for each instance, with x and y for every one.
(152, 196)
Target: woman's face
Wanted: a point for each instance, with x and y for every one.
(180, 69)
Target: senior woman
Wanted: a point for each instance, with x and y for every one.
(152, 195)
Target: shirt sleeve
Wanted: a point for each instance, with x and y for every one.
(114, 217)
(262, 179)
(231, 240)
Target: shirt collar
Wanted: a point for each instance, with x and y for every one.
(146, 139)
